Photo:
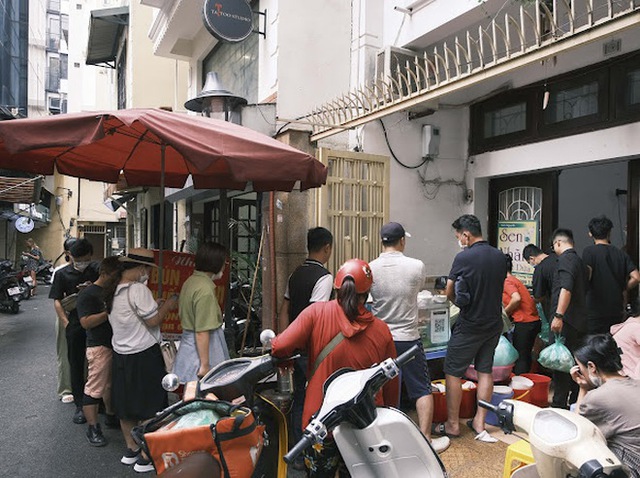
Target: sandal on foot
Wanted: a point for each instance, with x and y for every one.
(440, 430)
(482, 436)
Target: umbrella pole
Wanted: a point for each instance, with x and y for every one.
(161, 231)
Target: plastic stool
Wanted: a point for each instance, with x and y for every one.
(519, 452)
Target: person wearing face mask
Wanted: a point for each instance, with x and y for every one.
(138, 366)
(67, 282)
(202, 344)
(608, 398)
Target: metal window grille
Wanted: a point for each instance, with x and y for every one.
(354, 204)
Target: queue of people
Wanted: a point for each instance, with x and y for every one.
(367, 313)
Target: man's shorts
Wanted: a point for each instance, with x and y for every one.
(466, 347)
(415, 374)
(99, 376)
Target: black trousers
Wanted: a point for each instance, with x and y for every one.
(565, 389)
(524, 336)
(76, 352)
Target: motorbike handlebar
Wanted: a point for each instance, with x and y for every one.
(487, 405)
(407, 356)
(305, 442)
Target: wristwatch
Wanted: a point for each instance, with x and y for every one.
(558, 315)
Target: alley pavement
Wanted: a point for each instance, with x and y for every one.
(37, 437)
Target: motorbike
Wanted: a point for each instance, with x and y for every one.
(44, 272)
(263, 384)
(373, 441)
(564, 444)
(11, 293)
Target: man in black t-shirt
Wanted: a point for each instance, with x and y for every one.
(545, 267)
(569, 306)
(310, 282)
(94, 319)
(68, 282)
(611, 274)
(479, 270)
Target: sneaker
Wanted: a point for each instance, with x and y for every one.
(111, 421)
(66, 398)
(440, 444)
(143, 465)
(130, 456)
(78, 417)
(95, 436)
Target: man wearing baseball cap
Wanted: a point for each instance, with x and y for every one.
(397, 279)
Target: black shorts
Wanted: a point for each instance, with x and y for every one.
(415, 374)
(466, 347)
(136, 389)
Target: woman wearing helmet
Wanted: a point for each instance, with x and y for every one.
(358, 340)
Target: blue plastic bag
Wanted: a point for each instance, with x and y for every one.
(557, 356)
(505, 353)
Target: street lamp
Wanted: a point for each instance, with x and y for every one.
(215, 100)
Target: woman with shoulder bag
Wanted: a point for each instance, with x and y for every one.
(138, 366)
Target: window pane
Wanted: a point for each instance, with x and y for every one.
(572, 103)
(633, 83)
(509, 119)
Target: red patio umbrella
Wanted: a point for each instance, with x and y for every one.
(100, 145)
(154, 147)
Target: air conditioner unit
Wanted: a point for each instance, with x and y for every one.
(390, 59)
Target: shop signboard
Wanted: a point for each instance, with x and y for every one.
(513, 236)
(228, 20)
(178, 266)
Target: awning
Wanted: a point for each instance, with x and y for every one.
(105, 30)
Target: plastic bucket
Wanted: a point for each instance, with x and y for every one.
(521, 388)
(539, 394)
(500, 393)
(440, 413)
(468, 402)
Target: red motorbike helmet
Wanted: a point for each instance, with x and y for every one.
(359, 271)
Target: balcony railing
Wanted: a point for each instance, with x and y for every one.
(519, 30)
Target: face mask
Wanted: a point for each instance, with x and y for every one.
(462, 246)
(595, 380)
(81, 266)
(143, 278)
(216, 276)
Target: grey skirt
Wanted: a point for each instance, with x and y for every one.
(187, 361)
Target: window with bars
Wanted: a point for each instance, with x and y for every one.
(354, 204)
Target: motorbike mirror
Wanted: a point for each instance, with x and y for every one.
(170, 382)
(266, 336)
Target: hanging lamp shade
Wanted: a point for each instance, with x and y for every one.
(212, 90)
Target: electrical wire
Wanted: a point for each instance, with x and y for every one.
(386, 138)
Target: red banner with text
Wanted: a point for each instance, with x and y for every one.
(177, 267)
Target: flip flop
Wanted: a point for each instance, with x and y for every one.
(439, 429)
(483, 436)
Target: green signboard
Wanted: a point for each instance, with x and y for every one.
(513, 236)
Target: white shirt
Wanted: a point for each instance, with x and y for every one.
(397, 279)
(133, 302)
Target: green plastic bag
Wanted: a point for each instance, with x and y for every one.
(545, 328)
(557, 356)
(505, 353)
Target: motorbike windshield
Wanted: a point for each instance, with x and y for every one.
(553, 428)
(345, 388)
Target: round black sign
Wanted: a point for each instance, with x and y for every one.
(228, 20)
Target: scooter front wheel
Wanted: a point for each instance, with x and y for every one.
(14, 307)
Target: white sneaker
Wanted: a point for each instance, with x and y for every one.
(66, 398)
(440, 444)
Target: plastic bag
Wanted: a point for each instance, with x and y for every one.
(505, 353)
(557, 356)
(545, 328)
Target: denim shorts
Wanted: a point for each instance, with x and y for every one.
(415, 374)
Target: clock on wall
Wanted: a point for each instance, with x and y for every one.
(24, 224)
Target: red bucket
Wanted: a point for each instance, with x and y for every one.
(539, 394)
(467, 404)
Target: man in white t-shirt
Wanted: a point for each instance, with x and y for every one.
(397, 279)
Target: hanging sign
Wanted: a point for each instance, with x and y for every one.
(177, 267)
(513, 236)
(228, 20)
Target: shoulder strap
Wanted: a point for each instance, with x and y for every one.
(326, 351)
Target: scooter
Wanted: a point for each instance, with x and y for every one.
(564, 444)
(379, 442)
(262, 383)
(10, 291)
